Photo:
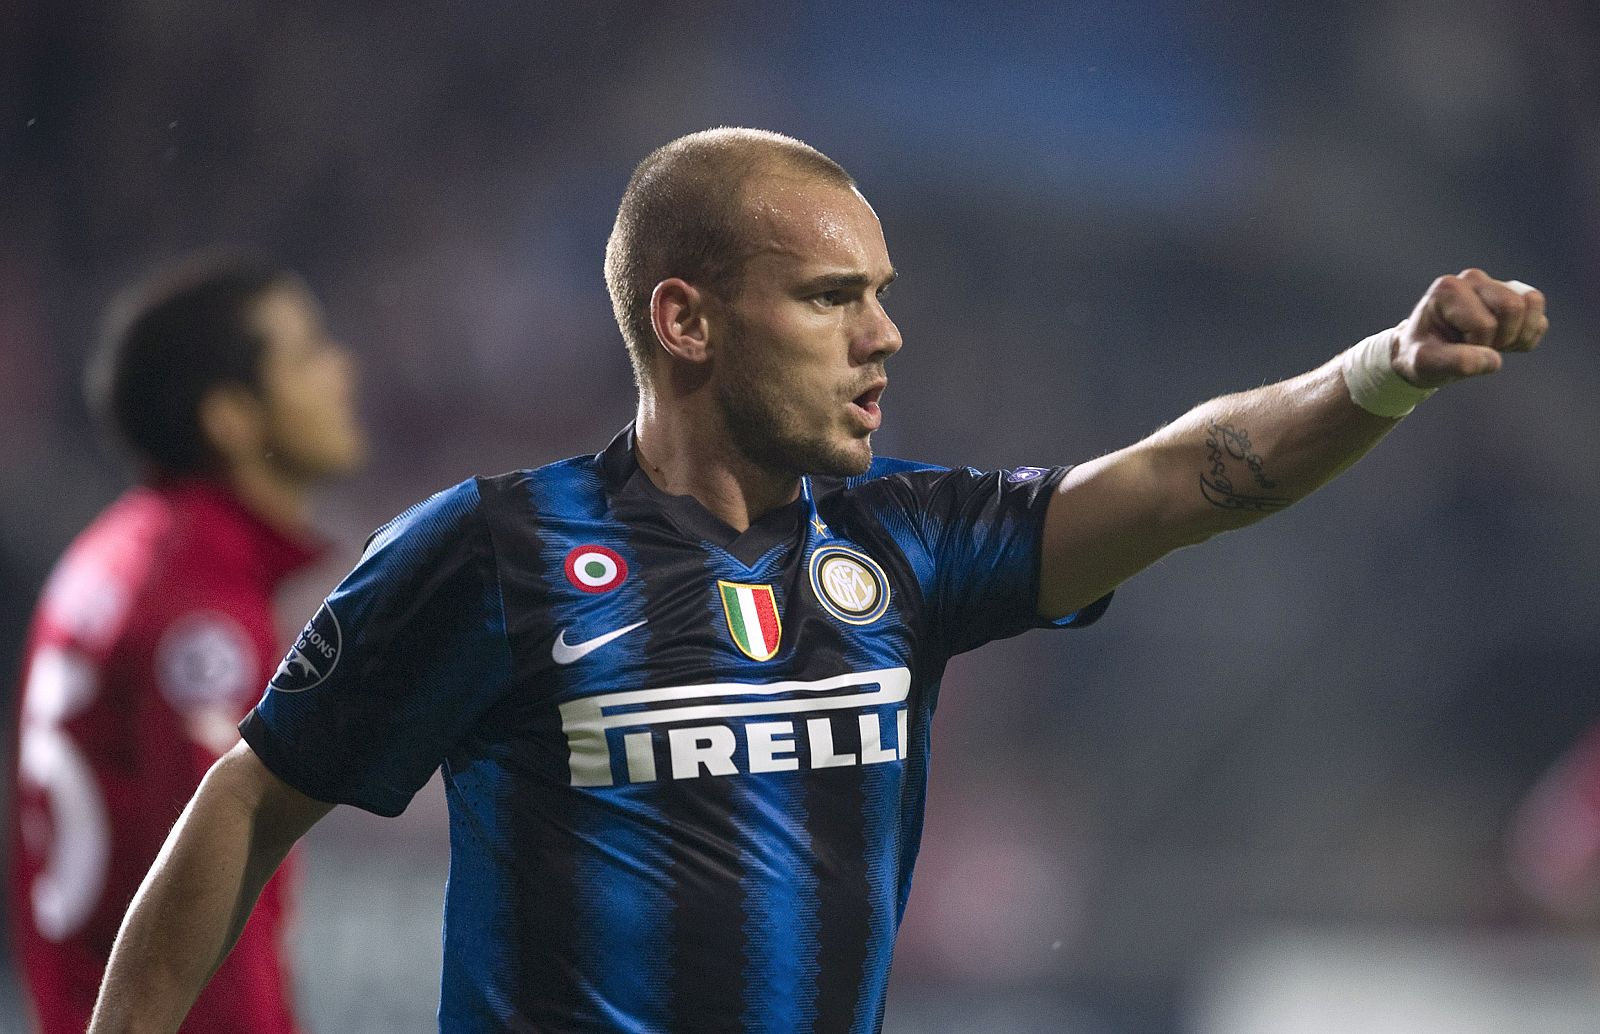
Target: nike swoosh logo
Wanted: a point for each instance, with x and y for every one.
(563, 652)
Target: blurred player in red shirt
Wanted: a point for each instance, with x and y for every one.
(155, 633)
(1555, 839)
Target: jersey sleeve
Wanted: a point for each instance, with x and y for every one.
(975, 550)
(397, 665)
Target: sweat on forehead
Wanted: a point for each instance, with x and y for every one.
(781, 213)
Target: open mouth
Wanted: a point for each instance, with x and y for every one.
(867, 403)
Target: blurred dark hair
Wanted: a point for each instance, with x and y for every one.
(680, 216)
(168, 340)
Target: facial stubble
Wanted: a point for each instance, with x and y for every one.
(767, 426)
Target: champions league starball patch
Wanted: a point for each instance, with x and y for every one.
(595, 568)
(849, 584)
(205, 659)
(313, 656)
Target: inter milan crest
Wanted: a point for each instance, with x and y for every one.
(849, 584)
(752, 614)
(595, 568)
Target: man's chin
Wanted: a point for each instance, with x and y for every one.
(777, 448)
(848, 460)
(322, 467)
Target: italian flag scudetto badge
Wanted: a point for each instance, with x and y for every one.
(752, 613)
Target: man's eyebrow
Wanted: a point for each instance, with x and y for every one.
(844, 282)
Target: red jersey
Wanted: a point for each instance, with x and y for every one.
(154, 636)
(1555, 841)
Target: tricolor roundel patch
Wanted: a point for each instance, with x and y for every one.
(752, 613)
(595, 568)
(849, 584)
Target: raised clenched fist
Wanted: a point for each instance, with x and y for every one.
(1462, 325)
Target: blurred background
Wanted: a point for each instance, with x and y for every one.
(1271, 790)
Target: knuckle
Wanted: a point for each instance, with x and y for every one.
(1475, 325)
(1510, 303)
(1448, 290)
(1473, 273)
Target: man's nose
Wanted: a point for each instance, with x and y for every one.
(881, 338)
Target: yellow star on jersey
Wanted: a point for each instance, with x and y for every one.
(821, 528)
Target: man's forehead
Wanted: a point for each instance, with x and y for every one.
(810, 219)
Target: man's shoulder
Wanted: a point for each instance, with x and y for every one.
(149, 559)
(911, 487)
(136, 524)
(889, 469)
(440, 516)
(108, 568)
(576, 471)
(571, 488)
(866, 500)
(886, 474)
(887, 466)
(450, 512)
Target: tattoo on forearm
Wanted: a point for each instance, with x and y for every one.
(1228, 448)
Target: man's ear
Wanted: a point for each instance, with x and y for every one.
(231, 421)
(678, 314)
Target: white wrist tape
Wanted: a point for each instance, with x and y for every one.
(1369, 375)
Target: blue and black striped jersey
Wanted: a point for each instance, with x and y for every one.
(685, 765)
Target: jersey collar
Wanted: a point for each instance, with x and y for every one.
(637, 498)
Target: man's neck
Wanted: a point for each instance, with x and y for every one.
(282, 501)
(684, 458)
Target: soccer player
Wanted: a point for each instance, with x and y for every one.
(155, 632)
(681, 690)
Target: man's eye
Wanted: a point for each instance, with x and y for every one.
(829, 298)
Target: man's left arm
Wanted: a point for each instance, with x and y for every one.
(1234, 460)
